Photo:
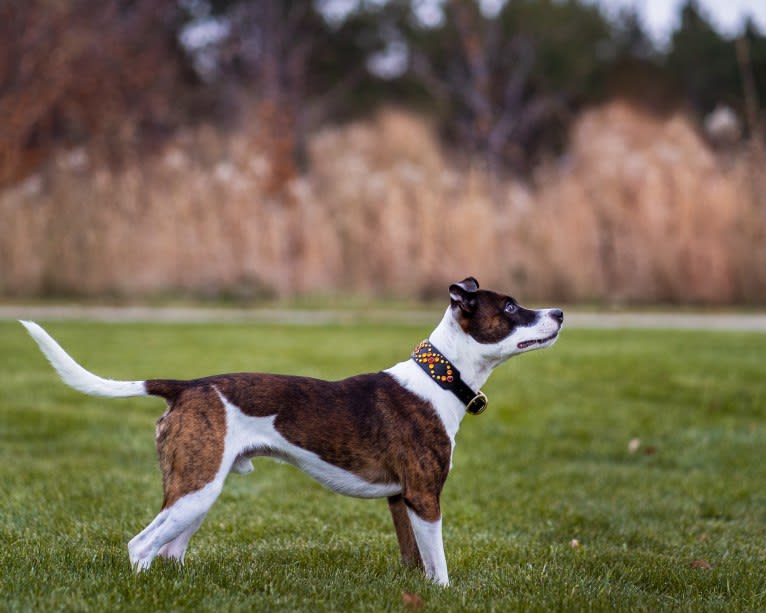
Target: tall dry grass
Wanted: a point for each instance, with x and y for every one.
(639, 210)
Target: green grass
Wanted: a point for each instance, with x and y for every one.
(547, 463)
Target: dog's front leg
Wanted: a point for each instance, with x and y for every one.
(426, 522)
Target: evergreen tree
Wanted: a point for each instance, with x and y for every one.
(703, 62)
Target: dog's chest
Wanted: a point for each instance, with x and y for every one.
(449, 409)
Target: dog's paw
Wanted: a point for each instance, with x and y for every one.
(141, 564)
(140, 558)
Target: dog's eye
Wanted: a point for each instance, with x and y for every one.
(511, 308)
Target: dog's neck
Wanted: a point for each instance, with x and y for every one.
(465, 354)
(474, 360)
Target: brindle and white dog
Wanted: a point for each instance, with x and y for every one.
(388, 434)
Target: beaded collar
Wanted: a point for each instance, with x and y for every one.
(444, 373)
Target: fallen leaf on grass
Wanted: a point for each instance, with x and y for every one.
(701, 564)
(413, 601)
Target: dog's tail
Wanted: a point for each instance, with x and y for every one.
(75, 375)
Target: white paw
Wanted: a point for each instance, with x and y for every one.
(140, 559)
(442, 581)
(142, 564)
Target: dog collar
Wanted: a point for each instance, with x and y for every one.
(441, 370)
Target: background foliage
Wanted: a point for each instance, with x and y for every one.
(228, 148)
(505, 85)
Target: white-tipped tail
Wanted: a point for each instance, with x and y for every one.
(75, 375)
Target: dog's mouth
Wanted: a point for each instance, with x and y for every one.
(539, 341)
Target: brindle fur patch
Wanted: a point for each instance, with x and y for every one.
(190, 440)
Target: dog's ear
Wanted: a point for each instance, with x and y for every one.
(463, 295)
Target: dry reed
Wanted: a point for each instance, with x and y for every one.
(639, 210)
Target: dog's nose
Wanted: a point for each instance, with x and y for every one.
(558, 315)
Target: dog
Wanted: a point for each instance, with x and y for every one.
(389, 434)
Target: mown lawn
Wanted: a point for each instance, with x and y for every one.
(677, 524)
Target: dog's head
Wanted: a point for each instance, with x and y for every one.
(500, 327)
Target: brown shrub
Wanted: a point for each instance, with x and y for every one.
(640, 210)
(662, 215)
(97, 70)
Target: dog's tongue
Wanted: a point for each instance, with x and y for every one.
(526, 344)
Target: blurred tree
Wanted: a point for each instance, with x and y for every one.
(501, 79)
(752, 62)
(84, 70)
(503, 85)
(630, 38)
(637, 72)
(268, 52)
(506, 84)
(705, 64)
(291, 64)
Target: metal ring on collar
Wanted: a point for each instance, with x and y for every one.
(478, 404)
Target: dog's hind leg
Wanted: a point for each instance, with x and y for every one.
(176, 549)
(191, 441)
(161, 517)
(182, 519)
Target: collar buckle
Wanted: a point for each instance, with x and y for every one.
(478, 404)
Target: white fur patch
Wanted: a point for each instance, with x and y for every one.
(173, 527)
(428, 535)
(75, 375)
(448, 407)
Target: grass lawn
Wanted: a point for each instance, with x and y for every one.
(677, 524)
